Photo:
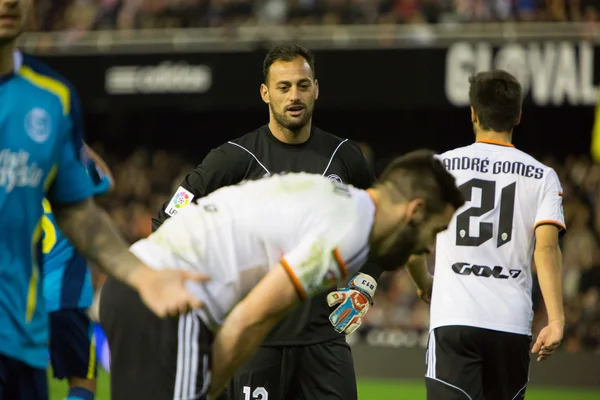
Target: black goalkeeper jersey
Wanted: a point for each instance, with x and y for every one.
(259, 153)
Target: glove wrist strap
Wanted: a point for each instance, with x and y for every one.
(365, 284)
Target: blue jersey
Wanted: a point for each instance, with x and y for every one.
(67, 279)
(41, 155)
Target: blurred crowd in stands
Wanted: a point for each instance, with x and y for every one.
(145, 180)
(84, 15)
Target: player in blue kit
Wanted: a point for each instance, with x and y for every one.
(42, 156)
(68, 293)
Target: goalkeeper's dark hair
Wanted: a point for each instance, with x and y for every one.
(287, 52)
(420, 175)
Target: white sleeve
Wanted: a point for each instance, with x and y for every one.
(329, 253)
(313, 266)
(550, 208)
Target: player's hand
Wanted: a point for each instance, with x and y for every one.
(548, 340)
(353, 303)
(164, 291)
(426, 291)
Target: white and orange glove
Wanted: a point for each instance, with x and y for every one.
(353, 303)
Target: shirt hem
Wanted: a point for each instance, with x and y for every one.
(16, 356)
(484, 325)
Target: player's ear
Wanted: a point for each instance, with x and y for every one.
(473, 116)
(264, 93)
(316, 89)
(416, 210)
(518, 121)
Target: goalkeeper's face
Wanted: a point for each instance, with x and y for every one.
(13, 14)
(291, 92)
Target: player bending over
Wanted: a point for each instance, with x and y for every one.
(266, 245)
(68, 293)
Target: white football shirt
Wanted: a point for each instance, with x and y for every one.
(483, 261)
(317, 228)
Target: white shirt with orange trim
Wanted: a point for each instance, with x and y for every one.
(483, 261)
(317, 228)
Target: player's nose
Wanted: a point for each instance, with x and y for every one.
(294, 93)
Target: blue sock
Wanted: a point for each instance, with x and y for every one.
(78, 393)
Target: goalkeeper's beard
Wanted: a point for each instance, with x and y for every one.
(404, 246)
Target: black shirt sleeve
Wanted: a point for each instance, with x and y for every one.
(360, 173)
(223, 166)
(362, 177)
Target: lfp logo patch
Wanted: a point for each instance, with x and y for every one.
(180, 200)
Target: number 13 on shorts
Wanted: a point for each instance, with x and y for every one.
(260, 393)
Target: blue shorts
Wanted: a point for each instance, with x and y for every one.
(72, 344)
(19, 381)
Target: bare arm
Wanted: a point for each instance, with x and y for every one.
(418, 272)
(548, 260)
(91, 230)
(249, 322)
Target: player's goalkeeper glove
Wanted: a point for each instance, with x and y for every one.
(353, 303)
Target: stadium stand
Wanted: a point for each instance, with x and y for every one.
(61, 15)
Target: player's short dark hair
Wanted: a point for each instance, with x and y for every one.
(420, 175)
(497, 97)
(287, 52)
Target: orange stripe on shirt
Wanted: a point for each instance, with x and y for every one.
(550, 222)
(370, 193)
(294, 278)
(496, 142)
(340, 263)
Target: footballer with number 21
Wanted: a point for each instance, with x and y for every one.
(480, 349)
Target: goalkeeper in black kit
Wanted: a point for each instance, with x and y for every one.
(313, 360)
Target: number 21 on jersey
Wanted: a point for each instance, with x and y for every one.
(488, 203)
